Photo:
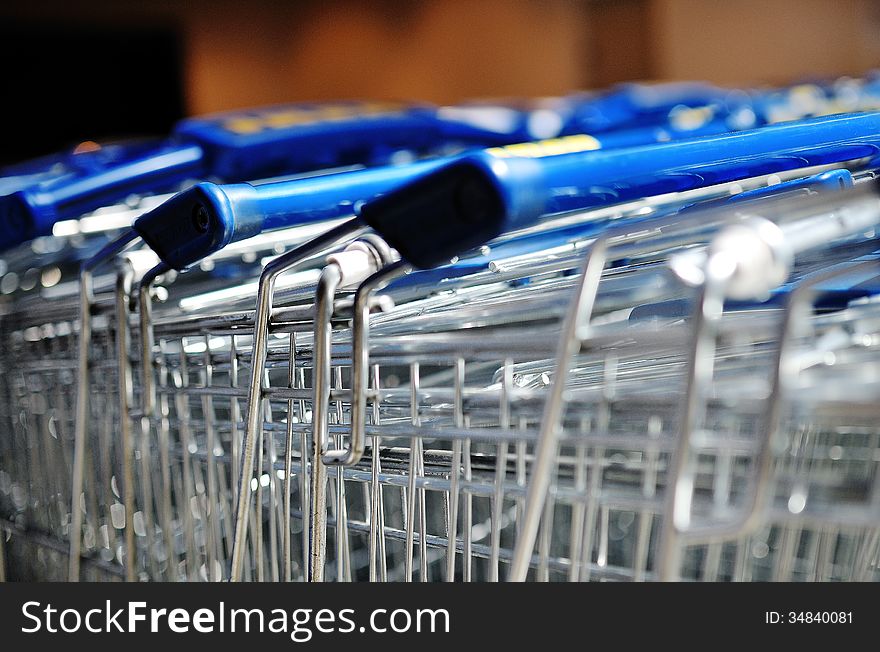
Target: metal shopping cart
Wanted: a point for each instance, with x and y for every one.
(464, 392)
(511, 415)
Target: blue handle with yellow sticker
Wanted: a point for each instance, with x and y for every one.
(535, 178)
(633, 104)
(205, 218)
(233, 146)
(531, 180)
(567, 236)
(417, 208)
(291, 138)
(287, 139)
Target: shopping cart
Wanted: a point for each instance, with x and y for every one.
(431, 405)
(463, 389)
(276, 139)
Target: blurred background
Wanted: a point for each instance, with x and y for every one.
(106, 69)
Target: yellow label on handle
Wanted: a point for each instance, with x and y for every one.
(283, 117)
(549, 147)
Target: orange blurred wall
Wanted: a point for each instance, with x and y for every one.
(746, 41)
(240, 53)
(447, 50)
(436, 50)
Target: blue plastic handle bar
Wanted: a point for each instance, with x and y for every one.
(532, 243)
(207, 217)
(629, 107)
(830, 180)
(527, 182)
(85, 159)
(551, 183)
(21, 175)
(233, 146)
(523, 181)
(89, 182)
(286, 139)
(632, 104)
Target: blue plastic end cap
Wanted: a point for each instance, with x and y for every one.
(437, 216)
(190, 226)
(448, 211)
(22, 220)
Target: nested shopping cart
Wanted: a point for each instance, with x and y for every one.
(643, 391)
(464, 391)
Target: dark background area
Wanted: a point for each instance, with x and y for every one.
(86, 83)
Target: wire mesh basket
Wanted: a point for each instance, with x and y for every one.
(635, 392)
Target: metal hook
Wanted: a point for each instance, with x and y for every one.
(262, 317)
(86, 297)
